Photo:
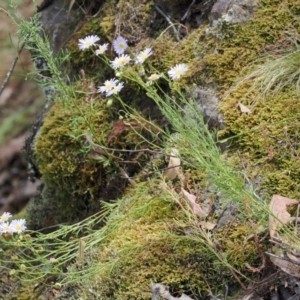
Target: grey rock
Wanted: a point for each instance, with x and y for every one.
(208, 105)
(219, 9)
(232, 12)
(59, 23)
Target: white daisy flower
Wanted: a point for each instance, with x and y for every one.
(17, 226)
(108, 86)
(88, 42)
(154, 77)
(4, 227)
(102, 49)
(120, 45)
(142, 56)
(115, 90)
(120, 61)
(177, 71)
(5, 216)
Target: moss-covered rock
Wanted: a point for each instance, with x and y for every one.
(150, 239)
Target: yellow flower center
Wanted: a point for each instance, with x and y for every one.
(154, 76)
(121, 45)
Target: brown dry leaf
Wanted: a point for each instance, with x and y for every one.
(173, 170)
(197, 210)
(56, 292)
(244, 109)
(278, 206)
(286, 266)
(293, 258)
(121, 127)
(208, 225)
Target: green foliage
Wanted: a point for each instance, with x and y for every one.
(30, 34)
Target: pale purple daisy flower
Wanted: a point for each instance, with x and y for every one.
(120, 45)
(4, 227)
(177, 71)
(17, 226)
(88, 42)
(5, 216)
(102, 49)
(154, 77)
(120, 61)
(108, 86)
(142, 56)
(115, 90)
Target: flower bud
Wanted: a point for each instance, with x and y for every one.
(109, 102)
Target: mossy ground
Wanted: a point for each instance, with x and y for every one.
(147, 243)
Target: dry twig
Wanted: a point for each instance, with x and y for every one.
(9, 73)
(160, 11)
(188, 12)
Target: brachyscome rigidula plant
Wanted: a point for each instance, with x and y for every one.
(120, 45)
(121, 61)
(114, 86)
(88, 42)
(5, 216)
(143, 55)
(15, 226)
(111, 87)
(102, 48)
(154, 77)
(177, 71)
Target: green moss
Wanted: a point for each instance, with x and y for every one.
(72, 179)
(214, 60)
(210, 59)
(266, 138)
(240, 235)
(76, 171)
(61, 155)
(241, 44)
(152, 240)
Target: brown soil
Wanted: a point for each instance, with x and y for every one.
(20, 102)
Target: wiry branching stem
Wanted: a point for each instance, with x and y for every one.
(10, 71)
